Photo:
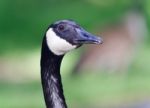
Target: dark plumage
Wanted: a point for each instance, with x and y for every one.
(61, 37)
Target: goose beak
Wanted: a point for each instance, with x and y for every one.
(85, 37)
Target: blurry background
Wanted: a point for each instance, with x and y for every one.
(113, 75)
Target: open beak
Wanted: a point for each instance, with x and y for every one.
(85, 37)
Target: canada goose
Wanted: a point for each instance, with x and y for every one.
(60, 37)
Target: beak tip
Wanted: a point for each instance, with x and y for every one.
(99, 40)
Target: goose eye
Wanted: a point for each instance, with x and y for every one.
(61, 27)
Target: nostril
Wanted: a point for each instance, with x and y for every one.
(85, 35)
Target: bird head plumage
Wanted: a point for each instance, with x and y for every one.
(65, 35)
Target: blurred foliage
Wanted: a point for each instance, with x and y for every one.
(22, 26)
(23, 23)
(147, 11)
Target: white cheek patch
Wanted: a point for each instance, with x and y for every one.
(56, 44)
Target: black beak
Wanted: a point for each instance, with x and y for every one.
(85, 37)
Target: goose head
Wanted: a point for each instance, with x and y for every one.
(65, 35)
